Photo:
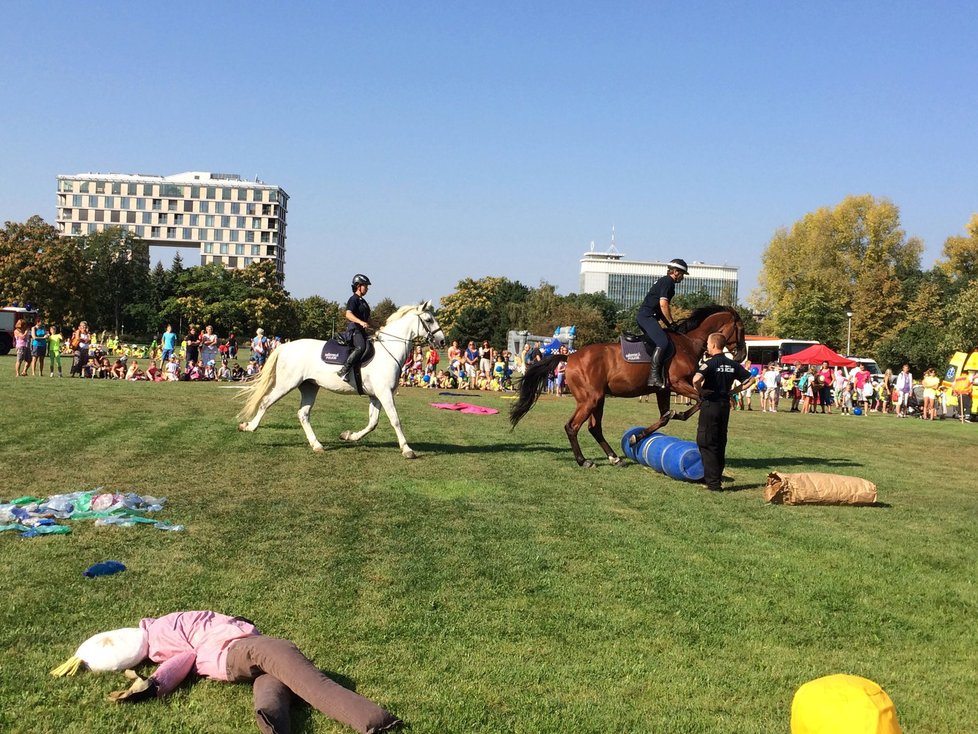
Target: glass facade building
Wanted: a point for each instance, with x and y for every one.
(627, 281)
(229, 221)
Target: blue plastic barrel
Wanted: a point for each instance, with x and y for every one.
(626, 448)
(682, 460)
(652, 450)
(665, 454)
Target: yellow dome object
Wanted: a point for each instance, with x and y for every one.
(843, 704)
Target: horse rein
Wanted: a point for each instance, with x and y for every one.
(430, 338)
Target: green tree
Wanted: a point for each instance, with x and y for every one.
(118, 277)
(317, 318)
(379, 314)
(482, 309)
(40, 267)
(838, 257)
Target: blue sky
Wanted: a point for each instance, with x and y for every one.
(422, 143)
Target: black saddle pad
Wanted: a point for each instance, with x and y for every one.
(336, 353)
(634, 351)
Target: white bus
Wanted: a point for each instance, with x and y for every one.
(762, 350)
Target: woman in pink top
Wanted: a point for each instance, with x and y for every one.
(232, 649)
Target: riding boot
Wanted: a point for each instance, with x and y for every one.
(348, 365)
(655, 373)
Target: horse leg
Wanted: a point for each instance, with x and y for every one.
(665, 415)
(387, 402)
(308, 391)
(279, 391)
(684, 387)
(581, 414)
(594, 428)
(373, 416)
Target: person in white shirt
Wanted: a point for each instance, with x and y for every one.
(904, 388)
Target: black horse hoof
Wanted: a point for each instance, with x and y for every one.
(587, 464)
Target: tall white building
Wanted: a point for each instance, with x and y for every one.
(229, 221)
(627, 281)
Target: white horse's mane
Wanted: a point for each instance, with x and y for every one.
(402, 312)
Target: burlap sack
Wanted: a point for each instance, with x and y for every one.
(817, 488)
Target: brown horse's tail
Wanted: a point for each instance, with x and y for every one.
(534, 382)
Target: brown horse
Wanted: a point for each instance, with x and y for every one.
(599, 370)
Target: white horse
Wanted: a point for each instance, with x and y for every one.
(299, 364)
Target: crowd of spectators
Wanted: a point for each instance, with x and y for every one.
(199, 356)
(820, 389)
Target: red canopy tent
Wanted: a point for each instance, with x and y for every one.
(816, 354)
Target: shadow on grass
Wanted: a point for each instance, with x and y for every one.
(771, 463)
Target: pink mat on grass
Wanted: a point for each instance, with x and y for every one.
(465, 408)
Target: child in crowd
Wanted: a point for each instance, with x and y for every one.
(252, 368)
(224, 372)
(209, 373)
(237, 372)
(171, 372)
(846, 397)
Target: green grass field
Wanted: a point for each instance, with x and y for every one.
(491, 585)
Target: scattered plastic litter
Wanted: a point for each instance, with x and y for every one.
(34, 516)
(105, 568)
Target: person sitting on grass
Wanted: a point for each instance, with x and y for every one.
(118, 370)
(134, 373)
(154, 373)
(171, 370)
(237, 372)
(231, 649)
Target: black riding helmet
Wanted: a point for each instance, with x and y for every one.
(360, 279)
(679, 264)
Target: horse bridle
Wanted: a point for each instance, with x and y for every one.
(430, 336)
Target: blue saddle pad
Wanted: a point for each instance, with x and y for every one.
(634, 351)
(336, 353)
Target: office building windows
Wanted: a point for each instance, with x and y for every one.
(92, 202)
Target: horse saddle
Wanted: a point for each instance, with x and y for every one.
(336, 350)
(635, 349)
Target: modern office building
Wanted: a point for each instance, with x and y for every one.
(229, 221)
(627, 281)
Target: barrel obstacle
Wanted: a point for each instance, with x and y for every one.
(667, 455)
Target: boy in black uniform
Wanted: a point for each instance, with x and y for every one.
(713, 382)
(656, 306)
(357, 314)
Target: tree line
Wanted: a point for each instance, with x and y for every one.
(856, 258)
(851, 258)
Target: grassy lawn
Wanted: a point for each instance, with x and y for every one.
(491, 585)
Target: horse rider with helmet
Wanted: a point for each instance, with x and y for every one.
(357, 316)
(656, 307)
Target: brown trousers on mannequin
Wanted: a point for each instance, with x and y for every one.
(278, 669)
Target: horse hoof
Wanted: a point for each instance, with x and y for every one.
(319, 449)
(409, 454)
(616, 461)
(587, 464)
(632, 441)
(345, 436)
(242, 426)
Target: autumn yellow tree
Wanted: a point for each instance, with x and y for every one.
(853, 256)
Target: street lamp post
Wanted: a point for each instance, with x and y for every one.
(849, 336)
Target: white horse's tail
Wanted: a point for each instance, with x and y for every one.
(254, 393)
